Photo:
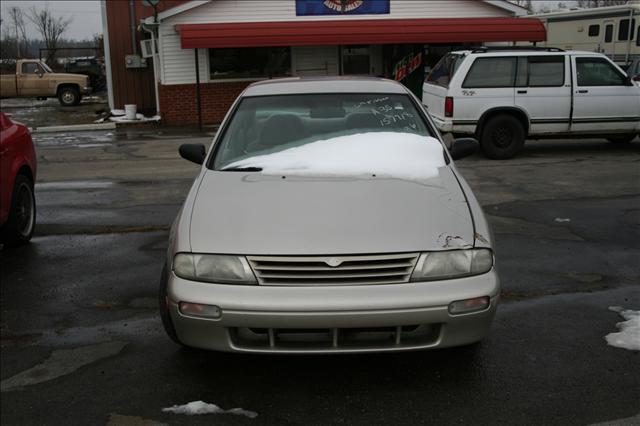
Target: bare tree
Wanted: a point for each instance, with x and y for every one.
(18, 30)
(600, 3)
(50, 28)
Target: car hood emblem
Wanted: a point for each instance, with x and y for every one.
(333, 262)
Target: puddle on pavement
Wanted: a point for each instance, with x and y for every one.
(60, 363)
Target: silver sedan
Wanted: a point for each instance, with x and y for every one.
(328, 216)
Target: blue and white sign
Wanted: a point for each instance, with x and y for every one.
(341, 7)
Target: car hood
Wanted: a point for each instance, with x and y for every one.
(67, 76)
(252, 213)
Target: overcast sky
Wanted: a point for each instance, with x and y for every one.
(85, 13)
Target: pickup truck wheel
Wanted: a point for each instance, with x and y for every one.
(69, 96)
(21, 223)
(163, 304)
(621, 138)
(502, 137)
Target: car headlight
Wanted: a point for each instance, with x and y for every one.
(439, 265)
(214, 268)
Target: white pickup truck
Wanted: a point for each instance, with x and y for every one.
(31, 78)
(503, 96)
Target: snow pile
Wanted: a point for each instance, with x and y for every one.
(629, 335)
(380, 154)
(139, 119)
(118, 116)
(200, 407)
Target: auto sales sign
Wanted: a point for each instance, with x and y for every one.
(341, 7)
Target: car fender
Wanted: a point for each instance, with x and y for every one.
(521, 113)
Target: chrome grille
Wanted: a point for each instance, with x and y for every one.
(333, 270)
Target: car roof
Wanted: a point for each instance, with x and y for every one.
(304, 85)
(526, 52)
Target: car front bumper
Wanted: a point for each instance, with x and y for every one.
(87, 90)
(343, 319)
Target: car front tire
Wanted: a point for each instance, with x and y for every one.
(21, 223)
(163, 305)
(502, 137)
(69, 96)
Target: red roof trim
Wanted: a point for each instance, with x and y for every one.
(366, 31)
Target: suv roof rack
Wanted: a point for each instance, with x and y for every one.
(484, 49)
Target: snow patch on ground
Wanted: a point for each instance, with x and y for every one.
(629, 335)
(139, 119)
(375, 154)
(200, 407)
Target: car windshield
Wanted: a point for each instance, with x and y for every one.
(269, 124)
(46, 67)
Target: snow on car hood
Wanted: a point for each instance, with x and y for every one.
(383, 154)
(315, 207)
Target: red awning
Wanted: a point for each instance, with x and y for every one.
(366, 31)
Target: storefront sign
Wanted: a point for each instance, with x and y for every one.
(406, 66)
(341, 7)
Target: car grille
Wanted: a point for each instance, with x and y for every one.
(333, 270)
(335, 339)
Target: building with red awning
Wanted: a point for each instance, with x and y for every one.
(201, 54)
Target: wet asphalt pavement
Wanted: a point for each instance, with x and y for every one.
(81, 341)
(48, 112)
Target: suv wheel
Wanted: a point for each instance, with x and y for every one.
(22, 214)
(502, 137)
(69, 96)
(163, 304)
(621, 138)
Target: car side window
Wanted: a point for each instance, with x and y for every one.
(546, 71)
(598, 72)
(491, 73)
(31, 68)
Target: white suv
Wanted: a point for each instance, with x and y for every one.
(504, 96)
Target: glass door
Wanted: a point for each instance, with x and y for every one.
(356, 60)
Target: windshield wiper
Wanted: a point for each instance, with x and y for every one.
(242, 169)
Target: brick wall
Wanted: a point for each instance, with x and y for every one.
(178, 103)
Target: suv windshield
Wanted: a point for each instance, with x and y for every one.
(268, 124)
(445, 69)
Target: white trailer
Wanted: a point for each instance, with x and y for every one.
(613, 31)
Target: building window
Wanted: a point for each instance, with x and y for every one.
(638, 36)
(597, 72)
(624, 28)
(491, 72)
(608, 33)
(250, 62)
(594, 30)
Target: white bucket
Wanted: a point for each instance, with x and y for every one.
(130, 111)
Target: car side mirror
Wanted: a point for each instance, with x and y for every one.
(463, 147)
(194, 152)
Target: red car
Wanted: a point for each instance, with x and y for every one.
(17, 176)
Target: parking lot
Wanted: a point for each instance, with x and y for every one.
(82, 342)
